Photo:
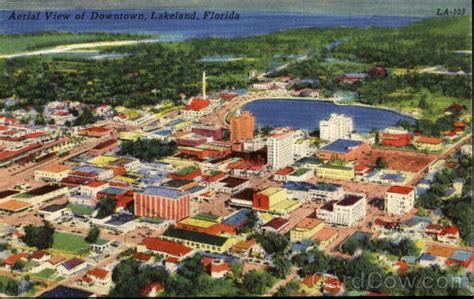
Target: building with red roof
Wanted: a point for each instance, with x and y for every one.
(449, 235)
(333, 286)
(152, 289)
(98, 276)
(399, 199)
(276, 224)
(424, 143)
(164, 247)
(197, 108)
(454, 108)
(12, 259)
(396, 137)
(216, 268)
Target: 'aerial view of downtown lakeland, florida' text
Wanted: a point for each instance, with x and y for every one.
(236, 148)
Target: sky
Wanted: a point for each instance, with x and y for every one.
(423, 8)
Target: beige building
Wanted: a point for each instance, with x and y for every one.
(280, 149)
(52, 173)
(348, 211)
(338, 126)
(399, 200)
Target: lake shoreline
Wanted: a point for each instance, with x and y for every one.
(333, 100)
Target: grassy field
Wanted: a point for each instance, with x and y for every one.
(3, 282)
(72, 243)
(10, 44)
(80, 209)
(46, 273)
(437, 103)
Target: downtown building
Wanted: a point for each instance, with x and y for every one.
(338, 126)
(399, 200)
(348, 211)
(280, 149)
(242, 127)
(162, 202)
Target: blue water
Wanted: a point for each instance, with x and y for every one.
(249, 23)
(306, 114)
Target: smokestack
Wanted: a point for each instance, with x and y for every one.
(204, 84)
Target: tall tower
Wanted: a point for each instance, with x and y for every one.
(204, 84)
(242, 126)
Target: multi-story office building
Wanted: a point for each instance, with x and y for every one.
(280, 149)
(338, 126)
(399, 199)
(242, 127)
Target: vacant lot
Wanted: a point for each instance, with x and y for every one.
(71, 243)
(398, 160)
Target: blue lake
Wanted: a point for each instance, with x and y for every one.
(249, 23)
(305, 114)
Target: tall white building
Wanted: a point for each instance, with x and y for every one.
(348, 211)
(338, 126)
(399, 200)
(280, 149)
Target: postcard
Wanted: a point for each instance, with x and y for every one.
(169, 148)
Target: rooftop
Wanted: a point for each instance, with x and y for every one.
(349, 200)
(163, 192)
(270, 191)
(195, 236)
(232, 182)
(246, 194)
(308, 223)
(168, 247)
(342, 146)
(54, 208)
(400, 189)
(324, 234)
(276, 223)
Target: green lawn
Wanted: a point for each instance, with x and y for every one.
(80, 209)
(46, 273)
(3, 282)
(72, 243)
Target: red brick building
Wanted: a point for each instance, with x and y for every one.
(162, 202)
(396, 138)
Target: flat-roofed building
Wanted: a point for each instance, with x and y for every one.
(399, 199)
(242, 127)
(164, 247)
(274, 200)
(199, 241)
(280, 149)
(335, 172)
(52, 173)
(305, 229)
(428, 144)
(325, 237)
(348, 211)
(162, 202)
(343, 149)
(337, 126)
(232, 185)
(55, 212)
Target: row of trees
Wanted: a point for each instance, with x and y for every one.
(458, 210)
(190, 280)
(403, 248)
(148, 150)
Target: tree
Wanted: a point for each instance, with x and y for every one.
(18, 265)
(93, 234)
(281, 266)
(257, 283)
(191, 268)
(272, 242)
(41, 237)
(287, 290)
(380, 163)
(106, 207)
